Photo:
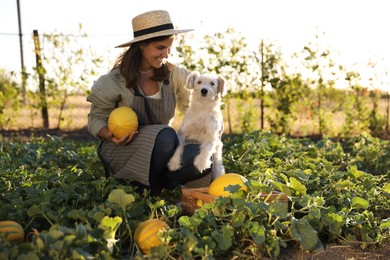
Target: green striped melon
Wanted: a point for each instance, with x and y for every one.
(13, 230)
(146, 234)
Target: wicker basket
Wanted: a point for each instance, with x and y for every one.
(194, 198)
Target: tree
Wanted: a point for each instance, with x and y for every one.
(355, 111)
(9, 96)
(321, 75)
(69, 65)
(269, 59)
(227, 54)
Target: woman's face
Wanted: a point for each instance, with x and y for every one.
(154, 53)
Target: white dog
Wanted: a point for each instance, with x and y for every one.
(202, 123)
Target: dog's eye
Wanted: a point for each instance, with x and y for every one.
(212, 84)
(199, 82)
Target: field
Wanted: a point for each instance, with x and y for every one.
(338, 206)
(244, 115)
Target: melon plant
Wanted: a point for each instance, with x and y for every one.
(122, 121)
(336, 191)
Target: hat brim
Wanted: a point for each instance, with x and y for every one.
(153, 35)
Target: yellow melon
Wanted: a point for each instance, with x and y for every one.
(122, 121)
(146, 234)
(217, 187)
(13, 230)
(199, 203)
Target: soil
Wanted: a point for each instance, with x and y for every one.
(24, 135)
(339, 252)
(331, 251)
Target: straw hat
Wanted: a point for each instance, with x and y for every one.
(152, 24)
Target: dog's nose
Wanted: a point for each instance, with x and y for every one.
(203, 91)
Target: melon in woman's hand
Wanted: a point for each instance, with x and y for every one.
(122, 121)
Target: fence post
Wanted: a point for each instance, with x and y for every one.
(387, 127)
(24, 74)
(262, 64)
(41, 74)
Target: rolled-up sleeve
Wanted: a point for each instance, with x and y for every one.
(104, 97)
(178, 81)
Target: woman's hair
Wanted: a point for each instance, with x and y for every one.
(129, 62)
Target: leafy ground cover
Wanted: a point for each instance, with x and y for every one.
(338, 208)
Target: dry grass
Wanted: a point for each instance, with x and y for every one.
(75, 116)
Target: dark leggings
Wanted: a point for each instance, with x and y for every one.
(164, 148)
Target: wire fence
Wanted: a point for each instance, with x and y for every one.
(73, 116)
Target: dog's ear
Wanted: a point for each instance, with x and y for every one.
(190, 84)
(221, 85)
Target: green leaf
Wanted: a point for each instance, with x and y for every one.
(120, 197)
(81, 231)
(302, 231)
(365, 233)
(39, 243)
(189, 222)
(355, 172)
(105, 256)
(54, 234)
(345, 184)
(78, 253)
(68, 240)
(238, 219)
(334, 221)
(110, 225)
(297, 186)
(386, 188)
(279, 208)
(232, 188)
(255, 207)
(36, 210)
(281, 187)
(273, 247)
(224, 237)
(257, 232)
(185, 221)
(77, 214)
(359, 203)
(172, 211)
(28, 256)
(207, 240)
(385, 223)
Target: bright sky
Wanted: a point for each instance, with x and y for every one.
(357, 29)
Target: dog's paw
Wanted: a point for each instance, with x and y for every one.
(217, 171)
(174, 164)
(202, 164)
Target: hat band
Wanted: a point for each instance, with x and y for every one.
(153, 29)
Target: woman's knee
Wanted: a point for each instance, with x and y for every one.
(166, 141)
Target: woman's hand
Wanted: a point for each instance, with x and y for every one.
(105, 134)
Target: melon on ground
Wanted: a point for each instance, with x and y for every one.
(146, 234)
(13, 230)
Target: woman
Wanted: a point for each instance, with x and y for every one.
(143, 80)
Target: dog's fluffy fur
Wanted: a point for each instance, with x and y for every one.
(203, 123)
